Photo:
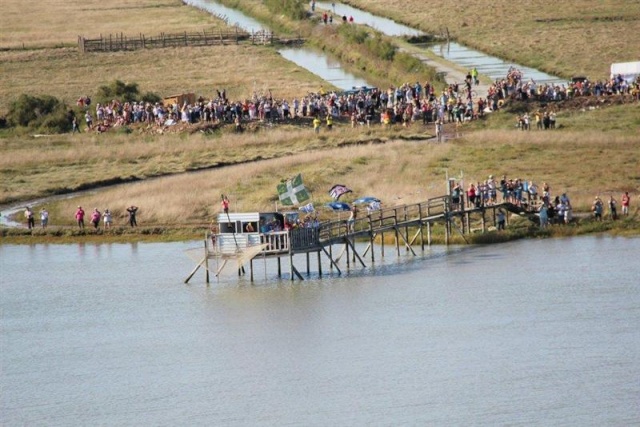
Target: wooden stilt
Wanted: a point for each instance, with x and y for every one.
(319, 264)
(194, 270)
(333, 263)
(355, 253)
(206, 260)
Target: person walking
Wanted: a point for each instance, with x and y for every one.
(95, 218)
(316, 125)
(44, 218)
(80, 217)
(28, 214)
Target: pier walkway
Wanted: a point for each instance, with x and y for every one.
(409, 224)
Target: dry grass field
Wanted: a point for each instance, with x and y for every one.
(66, 74)
(571, 37)
(55, 22)
(398, 172)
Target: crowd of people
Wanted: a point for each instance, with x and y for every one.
(403, 104)
(527, 195)
(515, 86)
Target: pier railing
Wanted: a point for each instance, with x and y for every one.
(386, 218)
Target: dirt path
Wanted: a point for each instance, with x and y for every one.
(451, 72)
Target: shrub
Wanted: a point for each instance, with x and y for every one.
(381, 47)
(124, 92)
(45, 113)
(353, 33)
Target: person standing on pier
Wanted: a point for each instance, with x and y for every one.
(352, 219)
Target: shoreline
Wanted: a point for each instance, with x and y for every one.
(518, 229)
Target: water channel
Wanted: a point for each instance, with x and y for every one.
(535, 332)
(331, 71)
(454, 52)
(312, 60)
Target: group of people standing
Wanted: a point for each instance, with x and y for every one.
(106, 217)
(95, 218)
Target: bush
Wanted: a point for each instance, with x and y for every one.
(123, 92)
(45, 114)
(353, 33)
(381, 48)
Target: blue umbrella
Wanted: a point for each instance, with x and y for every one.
(366, 200)
(338, 206)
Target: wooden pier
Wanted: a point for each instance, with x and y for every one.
(408, 224)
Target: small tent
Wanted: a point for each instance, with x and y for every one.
(628, 70)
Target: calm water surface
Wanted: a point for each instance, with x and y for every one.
(541, 332)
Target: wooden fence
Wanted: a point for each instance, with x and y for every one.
(120, 42)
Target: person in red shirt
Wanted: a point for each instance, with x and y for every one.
(625, 203)
(80, 217)
(225, 204)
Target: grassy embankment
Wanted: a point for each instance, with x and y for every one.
(573, 37)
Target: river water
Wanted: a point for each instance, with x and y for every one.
(536, 332)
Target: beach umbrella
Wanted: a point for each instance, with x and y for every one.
(366, 200)
(338, 206)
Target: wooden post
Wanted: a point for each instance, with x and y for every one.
(484, 222)
(331, 256)
(206, 260)
(429, 233)
(251, 268)
(308, 265)
(319, 265)
(371, 240)
(421, 225)
(279, 267)
(291, 265)
(347, 249)
(382, 245)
